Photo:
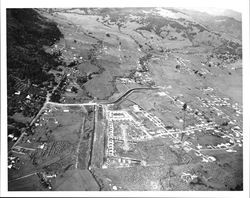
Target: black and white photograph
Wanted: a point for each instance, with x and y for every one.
(126, 98)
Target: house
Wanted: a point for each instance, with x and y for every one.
(136, 108)
(28, 97)
(41, 146)
(211, 159)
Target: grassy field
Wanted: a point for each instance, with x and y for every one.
(87, 68)
(76, 180)
(30, 183)
(98, 145)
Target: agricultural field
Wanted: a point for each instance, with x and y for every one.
(126, 99)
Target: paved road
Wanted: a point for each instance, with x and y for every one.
(39, 113)
(70, 104)
(45, 103)
(23, 176)
(126, 94)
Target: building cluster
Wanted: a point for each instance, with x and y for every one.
(223, 108)
(138, 77)
(114, 116)
(110, 138)
(67, 55)
(129, 131)
(72, 72)
(143, 78)
(119, 116)
(12, 162)
(19, 149)
(126, 161)
(154, 119)
(45, 181)
(187, 177)
(218, 105)
(215, 102)
(28, 105)
(122, 162)
(163, 131)
(26, 144)
(227, 58)
(125, 80)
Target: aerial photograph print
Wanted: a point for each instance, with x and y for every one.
(124, 99)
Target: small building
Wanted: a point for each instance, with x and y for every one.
(136, 108)
(17, 93)
(28, 97)
(211, 159)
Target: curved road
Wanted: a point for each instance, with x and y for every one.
(126, 94)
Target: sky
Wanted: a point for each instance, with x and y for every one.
(214, 10)
(237, 5)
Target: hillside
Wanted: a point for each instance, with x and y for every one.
(124, 99)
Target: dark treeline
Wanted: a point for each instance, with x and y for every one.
(27, 33)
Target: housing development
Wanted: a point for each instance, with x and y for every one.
(124, 99)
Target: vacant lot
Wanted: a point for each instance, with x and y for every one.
(87, 68)
(76, 180)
